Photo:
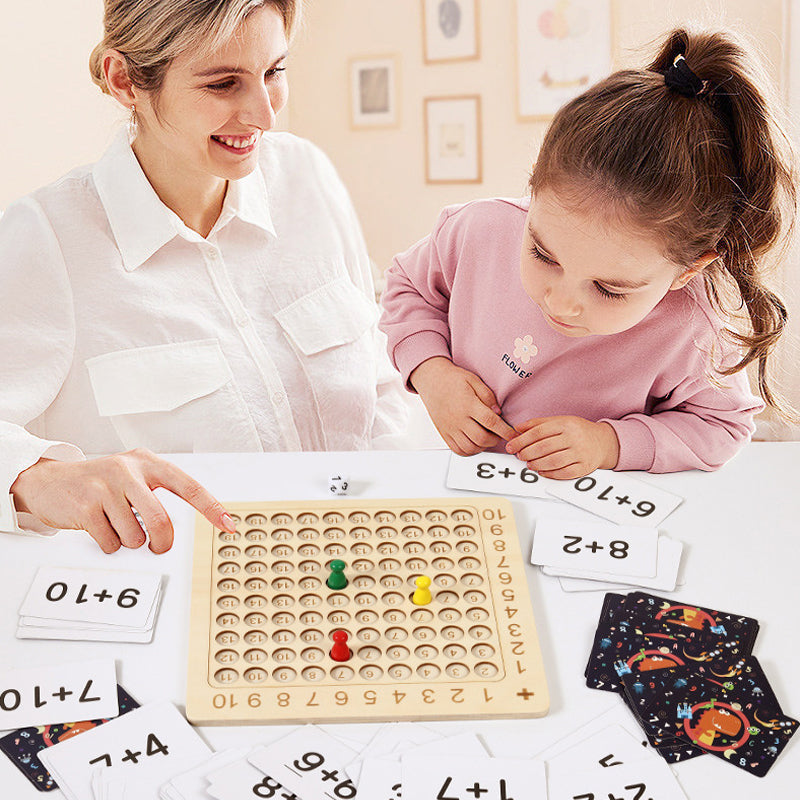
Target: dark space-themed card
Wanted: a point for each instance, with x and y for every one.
(24, 745)
(681, 619)
(622, 648)
(738, 719)
(638, 632)
(650, 696)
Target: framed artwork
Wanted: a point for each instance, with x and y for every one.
(453, 139)
(373, 92)
(449, 30)
(563, 46)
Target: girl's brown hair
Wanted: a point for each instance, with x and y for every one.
(150, 34)
(713, 172)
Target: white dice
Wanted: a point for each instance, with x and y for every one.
(337, 484)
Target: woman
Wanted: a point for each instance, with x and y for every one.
(200, 288)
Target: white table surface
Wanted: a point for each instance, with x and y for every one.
(739, 525)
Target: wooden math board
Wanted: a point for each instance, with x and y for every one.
(262, 615)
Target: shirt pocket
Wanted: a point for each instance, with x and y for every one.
(178, 397)
(332, 329)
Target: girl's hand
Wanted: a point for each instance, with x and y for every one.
(99, 496)
(565, 447)
(461, 406)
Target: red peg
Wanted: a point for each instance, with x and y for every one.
(340, 651)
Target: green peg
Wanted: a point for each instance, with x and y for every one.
(337, 580)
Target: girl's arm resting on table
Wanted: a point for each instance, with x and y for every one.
(701, 426)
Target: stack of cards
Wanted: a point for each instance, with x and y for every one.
(403, 760)
(128, 758)
(594, 551)
(688, 675)
(408, 760)
(589, 554)
(42, 701)
(90, 604)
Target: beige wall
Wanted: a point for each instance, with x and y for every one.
(53, 118)
(385, 168)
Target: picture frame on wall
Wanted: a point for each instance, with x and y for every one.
(373, 92)
(563, 47)
(449, 30)
(453, 139)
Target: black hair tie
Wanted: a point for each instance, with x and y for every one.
(682, 80)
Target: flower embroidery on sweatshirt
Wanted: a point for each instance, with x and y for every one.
(524, 348)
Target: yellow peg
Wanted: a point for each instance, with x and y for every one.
(422, 594)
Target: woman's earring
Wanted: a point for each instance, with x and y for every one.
(133, 125)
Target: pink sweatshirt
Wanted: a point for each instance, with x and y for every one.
(458, 293)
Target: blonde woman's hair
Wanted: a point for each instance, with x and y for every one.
(150, 34)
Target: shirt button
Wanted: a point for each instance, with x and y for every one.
(277, 398)
(242, 321)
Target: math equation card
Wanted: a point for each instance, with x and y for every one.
(617, 497)
(154, 732)
(496, 473)
(463, 778)
(58, 693)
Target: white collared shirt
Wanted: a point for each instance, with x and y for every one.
(121, 327)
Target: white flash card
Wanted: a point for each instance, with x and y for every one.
(239, 780)
(121, 783)
(665, 580)
(36, 632)
(156, 732)
(308, 762)
(191, 785)
(649, 778)
(456, 778)
(381, 778)
(595, 547)
(462, 744)
(496, 473)
(617, 497)
(606, 749)
(386, 740)
(617, 715)
(58, 693)
(92, 595)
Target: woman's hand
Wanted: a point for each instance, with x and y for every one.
(99, 496)
(565, 447)
(461, 406)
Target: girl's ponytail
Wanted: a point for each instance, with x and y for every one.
(763, 183)
(692, 149)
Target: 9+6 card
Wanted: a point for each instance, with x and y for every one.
(309, 762)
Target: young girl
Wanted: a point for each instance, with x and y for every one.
(655, 198)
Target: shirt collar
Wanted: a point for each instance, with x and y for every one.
(142, 224)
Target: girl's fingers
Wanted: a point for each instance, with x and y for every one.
(568, 473)
(552, 462)
(542, 448)
(531, 437)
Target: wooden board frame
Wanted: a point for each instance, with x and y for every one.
(472, 653)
